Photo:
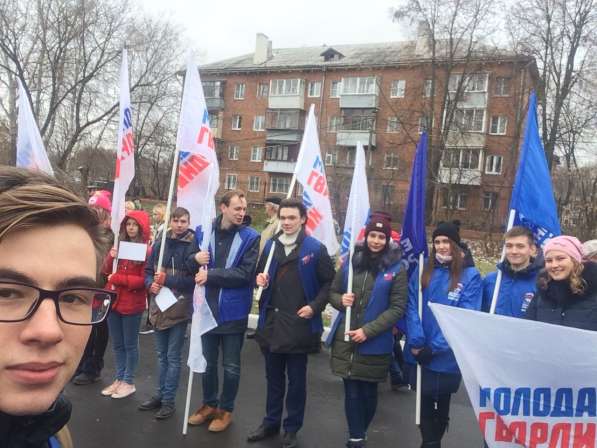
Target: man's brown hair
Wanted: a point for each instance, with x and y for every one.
(517, 231)
(29, 200)
(227, 197)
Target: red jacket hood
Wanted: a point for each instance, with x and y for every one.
(142, 219)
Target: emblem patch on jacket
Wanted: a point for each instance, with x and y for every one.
(307, 258)
(388, 276)
(454, 295)
(526, 301)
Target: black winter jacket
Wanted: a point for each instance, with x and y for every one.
(558, 305)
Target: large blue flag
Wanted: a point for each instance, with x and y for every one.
(413, 239)
(532, 196)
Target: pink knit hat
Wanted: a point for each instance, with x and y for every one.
(101, 199)
(570, 245)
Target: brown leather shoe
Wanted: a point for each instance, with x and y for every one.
(221, 422)
(203, 414)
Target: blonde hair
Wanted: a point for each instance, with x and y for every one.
(577, 283)
(29, 200)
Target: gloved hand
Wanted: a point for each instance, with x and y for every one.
(424, 356)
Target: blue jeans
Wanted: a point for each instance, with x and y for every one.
(231, 347)
(360, 403)
(277, 367)
(124, 330)
(169, 343)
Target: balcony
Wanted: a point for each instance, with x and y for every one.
(460, 176)
(359, 93)
(284, 126)
(287, 94)
(278, 166)
(356, 129)
(359, 101)
(214, 103)
(214, 94)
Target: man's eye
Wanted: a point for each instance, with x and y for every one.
(11, 293)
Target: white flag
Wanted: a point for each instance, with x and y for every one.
(198, 182)
(531, 384)
(310, 173)
(31, 153)
(358, 209)
(125, 152)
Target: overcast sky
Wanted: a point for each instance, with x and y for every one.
(226, 28)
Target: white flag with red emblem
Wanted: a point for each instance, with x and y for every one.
(310, 173)
(125, 152)
(198, 182)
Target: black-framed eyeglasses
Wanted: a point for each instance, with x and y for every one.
(75, 306)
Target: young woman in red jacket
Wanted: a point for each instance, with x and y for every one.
(125, 316)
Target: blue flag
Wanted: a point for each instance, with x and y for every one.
(532, 196)
(413, 239)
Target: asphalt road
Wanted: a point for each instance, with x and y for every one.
(100, 422)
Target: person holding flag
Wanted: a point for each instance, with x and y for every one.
(449, 277)
(381, 284)
(228, 270)
(296, 288)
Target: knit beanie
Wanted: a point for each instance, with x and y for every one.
(449, 229)
(570, 245)
(379, 223)
(101, 199)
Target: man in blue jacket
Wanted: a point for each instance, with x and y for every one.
(519, 275)
(296, 289)
(228, 270)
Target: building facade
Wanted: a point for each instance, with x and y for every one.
(384, 96)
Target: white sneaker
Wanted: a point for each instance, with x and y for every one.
(108, 391)
(124, 390)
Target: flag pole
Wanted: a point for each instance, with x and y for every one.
(187, 407)
(419, 370)
(348, 313)
(498, 280)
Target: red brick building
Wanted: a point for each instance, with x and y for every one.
(379, 94)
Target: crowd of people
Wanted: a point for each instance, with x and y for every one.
(296, 279)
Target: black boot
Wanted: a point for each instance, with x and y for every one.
(431, 433)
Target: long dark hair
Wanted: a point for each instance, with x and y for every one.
(455, 266)
(124, 236)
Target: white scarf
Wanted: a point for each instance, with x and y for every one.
(288, 241)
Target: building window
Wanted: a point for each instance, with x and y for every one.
(335, 88)
(499, 123)
(350, 156)
(283, 119)
(259, 123)
(262, 89)
(239, 91)
(233, 152)
(314, 90)
(464, 158)
(334, 124)
(358, 120)
(359, 85)
(398, 88)
(493, 165)
(489, 200)
(256, 154)
(213, 89)
(501, 87)
(213, 121)
(254, 183)
(454, 200)
(427, 88)
(387, 195)
(285, 87)
(279, 184)
(230, 182)
(390, 161)
(476, 82)
(237, 122)
(331, 158)
(469, 120)
(423, 124)
(393, 125)
(277, 153)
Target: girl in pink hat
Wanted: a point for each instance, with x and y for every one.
(567, 287)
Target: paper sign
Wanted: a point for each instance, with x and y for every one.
(165, 299)
(132, 251)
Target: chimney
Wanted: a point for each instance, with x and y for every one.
(263, 49)
(423, 45)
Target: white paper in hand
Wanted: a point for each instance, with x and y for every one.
(132, 251)
(165, 299)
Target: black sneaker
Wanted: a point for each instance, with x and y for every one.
(150, 405)
(166, 411)
(289, 440)
(263, 432)
(146, 329)
(83, 379)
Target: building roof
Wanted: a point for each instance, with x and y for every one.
(367, 55)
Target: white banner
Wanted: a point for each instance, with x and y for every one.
(198, 182)
(125, 152)
(531, 384)
(310, 173)
(31, 152)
